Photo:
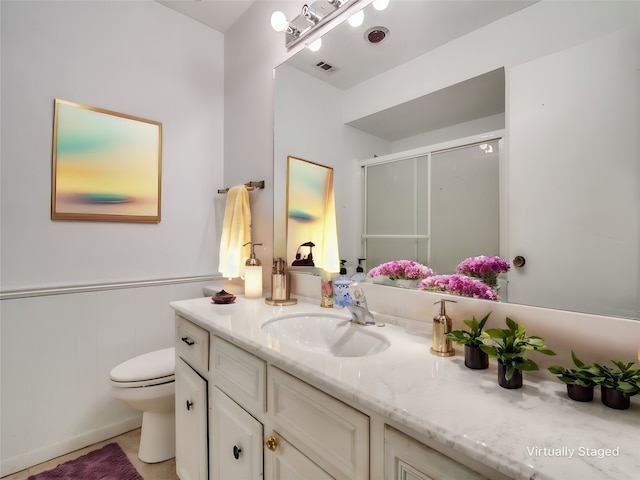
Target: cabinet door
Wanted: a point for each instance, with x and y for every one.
(408, 459)
(331, 433)
(282, 461)
(191, 423)
(236, 440)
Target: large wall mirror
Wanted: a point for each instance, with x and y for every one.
(559, 80)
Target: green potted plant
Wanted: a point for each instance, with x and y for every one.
(618, 384)
(579, 380)
(474, 357)
(509, 347)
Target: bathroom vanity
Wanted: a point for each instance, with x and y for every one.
(255, 405)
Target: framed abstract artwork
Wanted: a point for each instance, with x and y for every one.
(312, 239)
(107, 166)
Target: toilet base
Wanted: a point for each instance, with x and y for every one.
(157, 437)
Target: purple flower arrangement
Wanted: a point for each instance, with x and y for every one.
(459, 285)
(479, 266)
(401, 269)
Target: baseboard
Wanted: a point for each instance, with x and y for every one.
(34, 457)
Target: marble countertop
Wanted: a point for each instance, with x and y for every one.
(532, 432)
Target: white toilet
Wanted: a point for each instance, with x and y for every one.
(146, 383)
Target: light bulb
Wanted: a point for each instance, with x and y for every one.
(315, 45)
(356, 19)
(380, 4)
(279, 21)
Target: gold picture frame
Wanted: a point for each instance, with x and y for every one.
(107, 166)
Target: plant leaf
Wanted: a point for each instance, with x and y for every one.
(577, 362)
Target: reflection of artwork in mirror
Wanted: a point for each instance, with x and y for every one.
(106, 165)
(311, 217)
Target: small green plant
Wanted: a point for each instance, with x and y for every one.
(510, 346)
(623, 378)
(582, 376)
(472, 337)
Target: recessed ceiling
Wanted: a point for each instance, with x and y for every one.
(476, 98)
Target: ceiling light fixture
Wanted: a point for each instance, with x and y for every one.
(356, 19)
(315, 46)
(310, 14)
(280, 24)
(311, 17)
(380, 4)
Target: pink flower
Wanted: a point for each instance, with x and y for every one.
(482, 266)
(401, 269)
(458, 285)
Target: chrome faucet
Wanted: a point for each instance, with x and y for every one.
(358, 308)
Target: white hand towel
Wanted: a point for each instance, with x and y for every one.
(236, 231)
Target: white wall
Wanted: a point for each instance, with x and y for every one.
(138, 58)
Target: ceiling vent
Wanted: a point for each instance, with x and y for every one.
(324, 66)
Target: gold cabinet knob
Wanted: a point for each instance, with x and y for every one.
(271, 443)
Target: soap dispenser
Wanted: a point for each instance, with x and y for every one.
(359, 275)
(279, 286)
(341, 296)
(252, 274)
(441, 345)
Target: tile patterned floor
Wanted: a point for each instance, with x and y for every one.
(128, 442)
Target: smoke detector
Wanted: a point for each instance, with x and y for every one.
(376, 34)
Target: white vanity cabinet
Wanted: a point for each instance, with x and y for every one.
(192, 365)
(264, 423)
(407, 459)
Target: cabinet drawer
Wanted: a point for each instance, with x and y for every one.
(329, 432)
(239, 374)
(192, 344)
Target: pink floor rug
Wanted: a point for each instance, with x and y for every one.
(107, 463)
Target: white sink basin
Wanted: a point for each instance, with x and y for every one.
(326, 333)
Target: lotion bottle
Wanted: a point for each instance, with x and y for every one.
(253, 274)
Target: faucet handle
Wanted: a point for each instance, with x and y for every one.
(357, 293)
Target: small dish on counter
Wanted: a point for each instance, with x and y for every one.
(222, 298)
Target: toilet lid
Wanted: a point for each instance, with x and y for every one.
(158, 364)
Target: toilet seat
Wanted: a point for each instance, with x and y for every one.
(153, 368)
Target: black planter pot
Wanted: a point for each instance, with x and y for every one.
(475, 358)
(514, 382)
(613, 398)
(579, 393)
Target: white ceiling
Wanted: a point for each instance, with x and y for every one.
(217, 14)
(415, 27)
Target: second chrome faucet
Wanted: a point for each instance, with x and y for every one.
(359, 311)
